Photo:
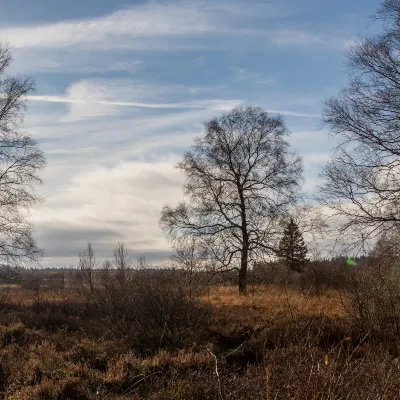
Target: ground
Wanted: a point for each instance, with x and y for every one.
(275, 343)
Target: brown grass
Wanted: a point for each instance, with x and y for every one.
(51, 349)
(273, 301)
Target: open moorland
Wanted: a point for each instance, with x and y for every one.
(272, 267)
(162, 337)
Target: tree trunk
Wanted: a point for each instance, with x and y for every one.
(245, 245)
(243, 271)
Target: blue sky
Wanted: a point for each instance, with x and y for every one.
(124, 86)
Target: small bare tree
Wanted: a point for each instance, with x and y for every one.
(87, 264)
(362, 181)
(191, 257)
(240, 177)
(106, 272)
(122, 263)
(20, 164)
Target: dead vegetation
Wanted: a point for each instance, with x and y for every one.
(144, 337)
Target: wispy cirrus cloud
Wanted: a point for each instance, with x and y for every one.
(163, 26)
(150, 20)
(101, 44)
(219, 105)
(122, 27)
(92, 98)
(210, 104)
(102, 98)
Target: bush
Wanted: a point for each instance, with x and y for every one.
(151, 309)
(320, 276)
(10, 334)
(317, 277)
(374, 302)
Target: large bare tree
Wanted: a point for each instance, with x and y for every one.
(20, 164)
(240, 178)
(362, 181)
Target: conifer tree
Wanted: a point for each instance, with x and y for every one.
(292, 248)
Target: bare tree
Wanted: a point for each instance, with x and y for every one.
(240, 177)
(87, 265)
(122, 263)
(106, 272)
(20, 164)
(191, 256)
(362, 181)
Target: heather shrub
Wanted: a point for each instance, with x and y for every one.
(151, 309)
(11, 333)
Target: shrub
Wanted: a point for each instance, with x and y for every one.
(152, 309)
(374, 302)
(322, 275)
(317, 276)
(11, 333)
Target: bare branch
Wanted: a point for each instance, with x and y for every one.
(362, 181)
(20, 164)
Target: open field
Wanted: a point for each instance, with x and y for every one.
(55, 346)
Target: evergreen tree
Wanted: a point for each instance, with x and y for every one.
(292, 248)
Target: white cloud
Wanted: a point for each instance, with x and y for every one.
(124, 28)
(150, 20)
(212, 104)
(163, 26)
(109, 133)
(91, 98)
(315, 158)
(79, 111)
(119, 203)
(293, 113)
(110, 43)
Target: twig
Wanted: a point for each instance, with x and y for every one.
(87, 337)
(217, 374)
(235, 350)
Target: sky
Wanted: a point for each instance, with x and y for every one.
(123, 87)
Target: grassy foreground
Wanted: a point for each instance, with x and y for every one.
(276, 343)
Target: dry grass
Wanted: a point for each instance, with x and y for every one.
(52, 347)
(277, 301)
